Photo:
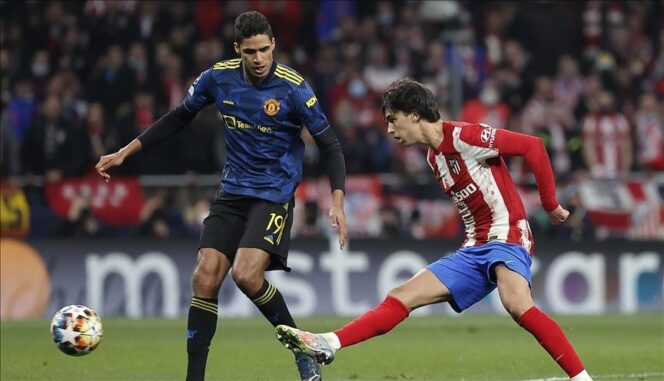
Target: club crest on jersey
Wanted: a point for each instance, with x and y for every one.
(271, 107)
(454, 165)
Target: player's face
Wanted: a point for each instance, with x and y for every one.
(256, 53)
(400, 127)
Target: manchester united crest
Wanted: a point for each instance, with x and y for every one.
(271, 107)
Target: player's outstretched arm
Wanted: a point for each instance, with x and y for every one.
(338, 217)
(116, 158)
(336, 167)
(167, 126)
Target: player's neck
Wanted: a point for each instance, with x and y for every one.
(432, 133)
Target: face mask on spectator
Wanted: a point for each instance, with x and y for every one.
(489, 96)
(357, 88)
(40, 69)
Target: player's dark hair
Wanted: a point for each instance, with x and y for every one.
(408, 96)
(249, 24)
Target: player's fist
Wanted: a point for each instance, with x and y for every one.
(558, 215)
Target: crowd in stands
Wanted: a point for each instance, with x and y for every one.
(82, 78)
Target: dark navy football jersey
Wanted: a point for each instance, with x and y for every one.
(262, 126)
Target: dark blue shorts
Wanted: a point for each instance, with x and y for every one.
(469, 272)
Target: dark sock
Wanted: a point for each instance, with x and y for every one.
(201, 326)
(271, 304)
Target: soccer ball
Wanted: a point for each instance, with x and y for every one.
(76, 330)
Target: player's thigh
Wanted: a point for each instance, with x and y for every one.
(514, 291)
(211, 268)
(422, 289)
(250, 263)
(224, 227)
(268, 229)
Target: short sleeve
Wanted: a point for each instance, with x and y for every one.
(309, 110)
(200, 93)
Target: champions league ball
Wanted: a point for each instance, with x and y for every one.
(76, 330)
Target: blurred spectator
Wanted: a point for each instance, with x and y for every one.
(79, 222)
(378, 72)
(650, 132)
(54, 147)
(111, 80)
(21, 108)
(9, 154)
(142, 75)
(154, 222)
(487, 108)
(390, 222)
(514, 76)
(115, 67)
(551, 119)
(568, 83)
(607, 140)
(104, 138)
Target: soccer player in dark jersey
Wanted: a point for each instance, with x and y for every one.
(264, 106)
(466, 159)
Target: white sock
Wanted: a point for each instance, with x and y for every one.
(583, 376)
(332, 339)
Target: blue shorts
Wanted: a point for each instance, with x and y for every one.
(469, 273)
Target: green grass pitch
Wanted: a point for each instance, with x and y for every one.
(468, 347)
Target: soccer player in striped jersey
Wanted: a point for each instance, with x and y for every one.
(264, 106)
(466, 159)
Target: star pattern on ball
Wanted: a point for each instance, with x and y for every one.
(68, 334)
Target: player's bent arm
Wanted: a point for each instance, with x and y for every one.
(167, 126)
(333, 156)
(162, 129)
(534, 152)
(336, 167)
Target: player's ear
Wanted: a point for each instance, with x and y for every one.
(237, 48)
(274, 43)
(414, 117)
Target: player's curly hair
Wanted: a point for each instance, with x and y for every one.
(250, 24)
(408, 96)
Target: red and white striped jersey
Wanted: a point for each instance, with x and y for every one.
(607, 133)
(470, 170)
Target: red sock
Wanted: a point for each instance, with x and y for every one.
(372, 323)
(550, 336)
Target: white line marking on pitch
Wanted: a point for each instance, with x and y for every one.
(605, 376)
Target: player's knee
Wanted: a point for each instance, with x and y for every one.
(517, 306)
(247, 280)
(204, 281)
(206, 276)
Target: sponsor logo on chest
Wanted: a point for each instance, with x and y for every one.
(463, 194)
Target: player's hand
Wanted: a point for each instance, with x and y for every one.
(106, 162)
(338, 220)
(558, 215)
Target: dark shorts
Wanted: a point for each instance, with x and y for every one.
(241, 221)
(470, 275)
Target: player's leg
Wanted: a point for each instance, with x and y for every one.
(249, 275)
(514, 291)
(211, 269)
(264, 246)
(218, 243)
(422, 289)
